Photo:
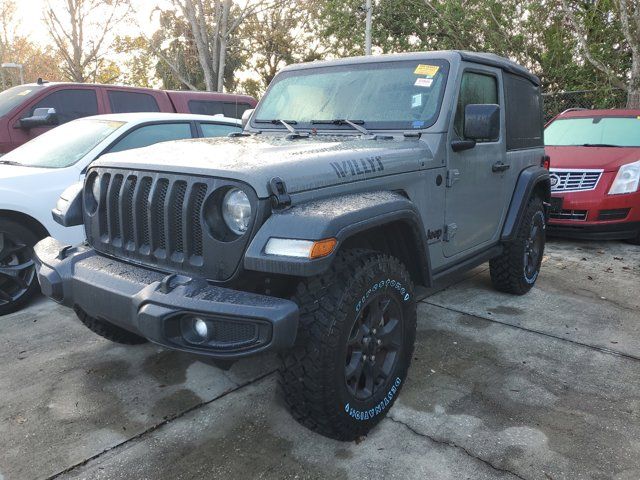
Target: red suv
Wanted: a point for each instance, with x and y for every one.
(595, 171)
(29, 110)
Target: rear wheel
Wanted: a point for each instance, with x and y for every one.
(18, 281)
(354, 346)
(517, 268)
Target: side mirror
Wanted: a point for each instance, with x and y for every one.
(246, 116)
(68, 210)
(41, 117)
(482, 122)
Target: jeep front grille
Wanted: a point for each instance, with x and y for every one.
(157, 219)
(568, 180)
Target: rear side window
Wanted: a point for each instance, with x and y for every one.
(476, 88)
(217, 130)
(70, 104)
(213, 107)
(127, 102)
(524, 113)
(150, 134)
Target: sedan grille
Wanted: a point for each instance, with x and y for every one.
(574, 180)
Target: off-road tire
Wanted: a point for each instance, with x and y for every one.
(313, 374)
(508, 271)
(108, 330)
(15, 232)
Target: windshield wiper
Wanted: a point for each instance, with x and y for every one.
(599, 145)
(343, 121)
(288, 125)
(9, 162)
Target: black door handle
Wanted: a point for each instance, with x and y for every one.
(499, 167)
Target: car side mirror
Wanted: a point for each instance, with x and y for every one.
(246, 116)
(482, 122)
(68, 210)
(41, 117)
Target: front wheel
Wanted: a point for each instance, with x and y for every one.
(354, 346)
(18, 282)
(517, 268)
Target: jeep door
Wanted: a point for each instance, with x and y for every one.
(476, 182)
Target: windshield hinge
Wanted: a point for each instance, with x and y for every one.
(452, 177)
(280, 198)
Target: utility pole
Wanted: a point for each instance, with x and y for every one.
(367, 32)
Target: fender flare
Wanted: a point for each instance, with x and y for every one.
(530, 179)
(337, 217)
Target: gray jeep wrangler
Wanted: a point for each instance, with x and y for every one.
(355, 184)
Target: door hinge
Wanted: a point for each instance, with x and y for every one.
(449, 232)
(452, 177)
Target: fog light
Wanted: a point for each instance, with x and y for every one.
(195, 330)
(200, 326)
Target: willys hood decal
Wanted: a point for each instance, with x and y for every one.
(303, 164)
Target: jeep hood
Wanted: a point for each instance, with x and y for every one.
(303, 164)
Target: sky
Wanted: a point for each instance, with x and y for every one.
(29, 19)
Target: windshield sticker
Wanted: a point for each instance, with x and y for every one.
(428, 70)
(362, 166)
(417, 124)
(416, 100)
(424, 82)
(24, 92)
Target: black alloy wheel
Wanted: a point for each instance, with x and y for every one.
(17, 269)
(373, 346)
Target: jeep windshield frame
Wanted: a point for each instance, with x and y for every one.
(385, 95)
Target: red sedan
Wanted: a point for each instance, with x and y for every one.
(595, 172)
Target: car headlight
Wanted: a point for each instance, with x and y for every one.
(236, 211)
(627, 179)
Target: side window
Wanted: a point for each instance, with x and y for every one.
(70, 104)
(475, 88)
(205, 107)
(212, 107)
(150, 134)
(217, 130)
(234, 110)
(126, 102)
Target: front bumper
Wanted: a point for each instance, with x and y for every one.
(156, 305)
(595, 214)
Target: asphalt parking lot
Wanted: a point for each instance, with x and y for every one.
(545, 386)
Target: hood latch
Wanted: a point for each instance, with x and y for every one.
(280, 198)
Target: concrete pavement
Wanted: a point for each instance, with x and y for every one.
(545, 386)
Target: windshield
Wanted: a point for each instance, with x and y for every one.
(382, 95)
(13, 97)
(63, 146)
(604, 131)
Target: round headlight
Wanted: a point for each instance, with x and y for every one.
(236, 211)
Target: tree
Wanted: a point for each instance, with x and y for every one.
(276, 37)
(212, 28)
(613, 50)
(80, 30)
